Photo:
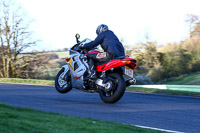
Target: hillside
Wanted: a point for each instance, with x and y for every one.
(191, 79)
(62, 54)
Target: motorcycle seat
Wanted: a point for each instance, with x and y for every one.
(120, 57)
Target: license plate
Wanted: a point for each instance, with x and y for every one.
(129, 72)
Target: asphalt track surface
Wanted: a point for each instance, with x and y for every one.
(176, 113)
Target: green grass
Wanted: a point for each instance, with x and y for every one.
(27, 81)
(191, 79)
(193, 88)
(160, 91)
(20, 120)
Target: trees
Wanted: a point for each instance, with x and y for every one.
(193, 43)
(177, 59)
(147, 56)
(148, 60)
(162, 65)
(194, 25)
(15, 36)
(176, 62)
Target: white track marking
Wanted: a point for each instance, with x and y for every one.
(170, 131)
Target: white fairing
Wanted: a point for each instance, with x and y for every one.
(85, 41)
(77, 67)
(66, 67)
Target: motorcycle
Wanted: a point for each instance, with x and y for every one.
(112, 76)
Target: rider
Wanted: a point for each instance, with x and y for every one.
(110, 44)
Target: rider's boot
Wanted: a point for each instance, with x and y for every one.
(92, 71)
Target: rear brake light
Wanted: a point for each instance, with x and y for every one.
(126, 62)
(133, 66)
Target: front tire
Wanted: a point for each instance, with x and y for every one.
(63, 81)
(114, 89)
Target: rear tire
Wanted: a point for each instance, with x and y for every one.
(118, 88)
(63, 82)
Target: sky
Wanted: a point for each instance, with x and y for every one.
(57, 21)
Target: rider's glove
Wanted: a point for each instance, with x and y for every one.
(81, 47)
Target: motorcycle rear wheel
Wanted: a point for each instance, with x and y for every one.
(63, 83)
(118, 87)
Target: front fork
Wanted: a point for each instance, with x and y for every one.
(66, 67)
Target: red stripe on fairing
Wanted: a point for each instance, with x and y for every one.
(91, 52)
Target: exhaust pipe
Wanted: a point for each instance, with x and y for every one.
(131, 82)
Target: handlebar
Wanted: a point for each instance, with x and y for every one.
(77, 47)
(77, 38)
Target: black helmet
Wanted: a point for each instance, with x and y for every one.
(101, 28)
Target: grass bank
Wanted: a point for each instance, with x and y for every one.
(190, 79)
(20, 120)
(62, 54)
(27, 81)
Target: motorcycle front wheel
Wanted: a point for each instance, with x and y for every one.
(63, 81)
(114, 88)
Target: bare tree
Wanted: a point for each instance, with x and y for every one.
(194, 25)
(15, 36)
(195, 33)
